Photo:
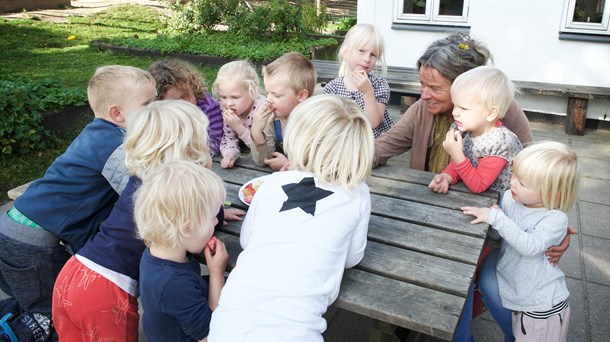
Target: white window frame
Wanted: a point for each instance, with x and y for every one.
(569, 26)
(431, 16)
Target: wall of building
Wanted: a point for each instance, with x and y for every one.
(523, 36)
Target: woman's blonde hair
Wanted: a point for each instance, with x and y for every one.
(489, 85)
(172, 195)
(175, 73)
(164, 131)
(241, 72)
(330, 137)
(358, 36)
(553, 168)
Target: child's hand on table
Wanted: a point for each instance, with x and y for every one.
(228, 161)
(277, 161)
(440, 183)
(233, 214)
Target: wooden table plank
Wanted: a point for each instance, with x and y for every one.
(403, 304)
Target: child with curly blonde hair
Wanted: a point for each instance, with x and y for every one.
(238, 87)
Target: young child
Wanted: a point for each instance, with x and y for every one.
(238, 88)
(65, 207)
(533, 216)
(303, 228)
(359, 54)
(101, 280)
(180, 80)
(483, 156)
(175, 213)
(289, 80)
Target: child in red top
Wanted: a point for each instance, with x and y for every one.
(481, 149)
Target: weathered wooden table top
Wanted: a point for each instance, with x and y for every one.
(421, 253)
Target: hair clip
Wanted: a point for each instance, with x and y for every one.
(463, 46)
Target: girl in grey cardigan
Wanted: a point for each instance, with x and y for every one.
(533, 216)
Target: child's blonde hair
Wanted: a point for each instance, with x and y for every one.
(358, 36)
(551, 167)
(172, 195)
(113, 85)
(295, 70)
(164, 131)
(175, 73)
(489, 84)
(330, 137)
(241, 72)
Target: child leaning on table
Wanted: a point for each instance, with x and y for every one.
(532, 217)
(109, 262)
(359, 54)
(180, 80)
(66, 206)
(175, 212)
(238, 88)
(481, 149)
(289, 80)
(303, 228)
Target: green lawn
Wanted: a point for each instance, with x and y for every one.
(36, 49)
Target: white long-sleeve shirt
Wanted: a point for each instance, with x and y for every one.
(291, 267)
(526, 279)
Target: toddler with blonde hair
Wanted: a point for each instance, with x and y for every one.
(175, 211)
(238, 88)
(532, 216)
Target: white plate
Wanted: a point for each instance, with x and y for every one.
(240, 194)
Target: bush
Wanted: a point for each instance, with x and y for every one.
(22, 105)
(281, 20)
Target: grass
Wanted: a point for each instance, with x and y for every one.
(37, 49)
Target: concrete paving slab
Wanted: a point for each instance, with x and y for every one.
(594, 191)
(577, 330)
(587, 149)
(594, 219)
(594, 168)
(596, 256)
(599, 306)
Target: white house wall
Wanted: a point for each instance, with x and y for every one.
(523, 37)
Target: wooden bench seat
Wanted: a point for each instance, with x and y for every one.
(405, 81)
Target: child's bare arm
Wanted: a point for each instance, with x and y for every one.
(216, 261)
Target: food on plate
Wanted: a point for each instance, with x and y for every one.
(250, 190)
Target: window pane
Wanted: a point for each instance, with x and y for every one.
(589, 11)
(414, 6)
(452, 7)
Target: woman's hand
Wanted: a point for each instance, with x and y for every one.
(554, 253)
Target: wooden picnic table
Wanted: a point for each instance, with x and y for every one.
(421, 253)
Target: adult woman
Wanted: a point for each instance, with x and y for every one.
(422, 129)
